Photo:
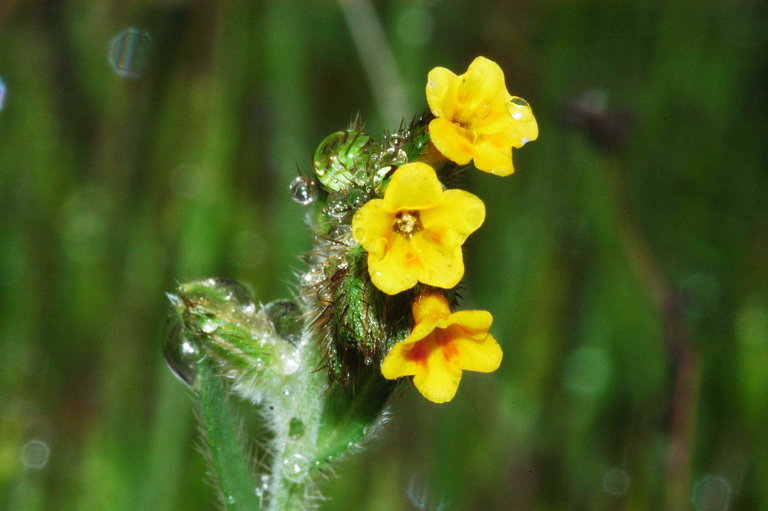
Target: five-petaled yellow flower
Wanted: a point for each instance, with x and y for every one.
(477, 118)
(414, 234)
(441, 346)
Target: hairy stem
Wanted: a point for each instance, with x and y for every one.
(222, 434)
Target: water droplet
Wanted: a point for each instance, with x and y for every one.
(395, 156)
(128, 52)
(519, 109)
(422, 496)
(181, 354)
(209, 326)
(332, 265)
(287, 319)
(228, 290)
(711, 493)
(431, 84)
(524, 141)
(286, 391)
(340, 159)
(302, 190)
(342, 234)
(295, 467)
(231, 499)
(312, 277)
(35, 454)
(357, 198)
(367, 361)
(250, 309)
(262, 488)
(337, 205)
(615, 482)
(290, 362)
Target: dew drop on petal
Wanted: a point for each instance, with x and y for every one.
(129, 51)
(524, 141)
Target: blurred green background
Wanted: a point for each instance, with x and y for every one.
(625, 263)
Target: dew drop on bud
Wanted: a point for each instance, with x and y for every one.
(295, 467)
(357, 198)
(290, 362)
(337, 205)
(181, 354)
(340, 159)
(209, 326)
(302, 190)
(287, 320)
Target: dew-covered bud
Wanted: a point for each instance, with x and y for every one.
(217, 318)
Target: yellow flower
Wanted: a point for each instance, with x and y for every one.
(477, 118)
(441, 346)
(414, 234)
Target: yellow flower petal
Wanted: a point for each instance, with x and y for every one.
(479, 356)
(414, 234)
(492, 156)
(453, 141)
(372, 222)
(414, 186)
(431, 308)
(482, 84)
(440, 382)
(442, 86)
(397, 268)
(484, 121)
(397, 364)
(460, 214)
(442, 345)
(472, 321)
(446, 263)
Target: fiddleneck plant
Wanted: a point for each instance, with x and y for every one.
(377, 302)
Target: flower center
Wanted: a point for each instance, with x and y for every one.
(407, 223)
